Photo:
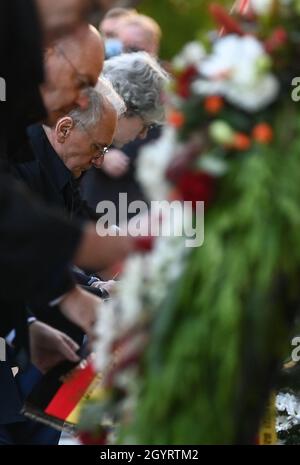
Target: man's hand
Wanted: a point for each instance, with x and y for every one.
(108, 286)
(115, 163)
(81, 308)
(49, 346)
(98, 251)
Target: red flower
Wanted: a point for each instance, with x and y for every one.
(277, 40)
(225, 21)
(184, 82)
(196, 186)
(243, 6)
(144, 243)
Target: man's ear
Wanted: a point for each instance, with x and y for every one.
(63, 128)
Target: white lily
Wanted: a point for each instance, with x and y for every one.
(262, 7)
(153, 162)
(235, 70)
(192, 54)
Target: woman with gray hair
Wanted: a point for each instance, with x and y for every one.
(139, 80)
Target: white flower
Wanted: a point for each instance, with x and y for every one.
(167, 261)
(234, 56)
(254, 98)
(105, 330)
(192, 54)
(289, 404)
(153, 162)
(130, 290)
(237, 69)
(262, 7)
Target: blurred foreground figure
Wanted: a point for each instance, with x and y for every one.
(37, 244)
(72, 64)
(60, 17)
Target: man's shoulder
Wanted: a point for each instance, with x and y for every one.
(30, 173)
(26, 170)
(36, 134)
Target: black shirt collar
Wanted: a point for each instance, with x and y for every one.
(48, 157)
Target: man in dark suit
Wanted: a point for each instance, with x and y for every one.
(78, 141)
(81, 139)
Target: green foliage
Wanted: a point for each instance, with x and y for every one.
(180, 20)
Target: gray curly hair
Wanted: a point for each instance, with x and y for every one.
(139, 80)
(105, 88)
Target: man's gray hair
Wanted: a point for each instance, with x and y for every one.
(93, 113)
(140, 81)
(105, 88)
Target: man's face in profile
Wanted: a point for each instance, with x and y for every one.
(71, 65)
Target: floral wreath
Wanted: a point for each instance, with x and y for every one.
(201, 333)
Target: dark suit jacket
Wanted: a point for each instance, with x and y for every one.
(10, 402)
(48, 177)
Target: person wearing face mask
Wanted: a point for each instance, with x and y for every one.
(109, 28)
(125, 30)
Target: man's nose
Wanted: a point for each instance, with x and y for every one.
(97, 162)
(143, 134)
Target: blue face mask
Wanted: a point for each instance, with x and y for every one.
(113, 47)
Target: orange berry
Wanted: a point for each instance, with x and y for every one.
(241, 141)
(263, 133)
(213, 104)
(176, 119)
